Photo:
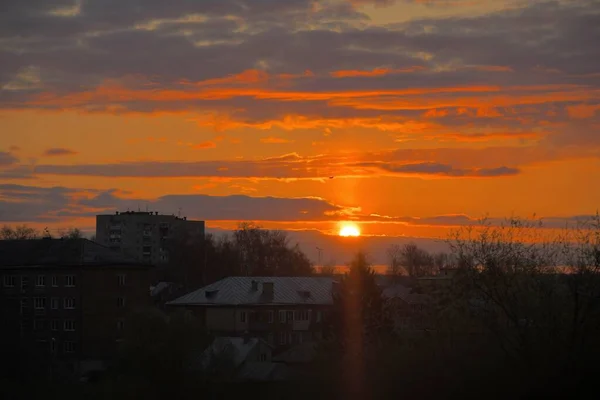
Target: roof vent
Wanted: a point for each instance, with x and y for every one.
(305, 294)
(254, 285)
(211, 293)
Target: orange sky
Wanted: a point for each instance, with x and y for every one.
(410, 118)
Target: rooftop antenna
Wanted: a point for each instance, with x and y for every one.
(179, 212)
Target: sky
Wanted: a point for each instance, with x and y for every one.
(411, 118)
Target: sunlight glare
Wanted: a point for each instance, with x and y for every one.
(348, 230)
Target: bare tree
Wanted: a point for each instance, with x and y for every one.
(536, 293)
(19, 232)
(410, 260)
(70, 233)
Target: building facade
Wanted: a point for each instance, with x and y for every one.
(284, 311)
(143, 234)
(68, 300)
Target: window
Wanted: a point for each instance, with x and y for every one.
(70, 280)
(54, 325)
(25, 326)
(39, 324)
(69, 325)
(39, 303)
(69, 347)
(121, 279)
(54, 303)
(24, 282)
(270, 317)
(270, 339)
(53, 345)
(319, 316)
(24, 304)
(40, 281)
(9, 281)
(263, 357)
(282, 316)
(69, 303)
(243, 316)
(289, 315)
(120, 302)
(301, 315)
(120, 325)
(282, 337)
(54, 281)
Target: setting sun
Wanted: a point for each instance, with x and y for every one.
(348, 230)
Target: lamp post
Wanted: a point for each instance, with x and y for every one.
(319, 253)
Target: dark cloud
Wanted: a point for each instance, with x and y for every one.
(59, 151)
(7, 158)
(21, 203)
(435, 169)
(236, 207)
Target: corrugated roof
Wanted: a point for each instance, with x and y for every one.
(58, 252)
(406, 294)
(240, 290)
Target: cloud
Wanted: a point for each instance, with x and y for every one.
(20, 203)
(275, 140)
(59, 151)
(445, 170)
(204, 145)
(374, 73)
(7, 159)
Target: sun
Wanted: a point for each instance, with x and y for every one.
(347, 230)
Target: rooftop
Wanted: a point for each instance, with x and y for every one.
(59, 252)
(243, 290)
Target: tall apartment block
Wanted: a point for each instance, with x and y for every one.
(143, 234)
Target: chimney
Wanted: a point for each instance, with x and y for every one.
(117, 213)
(335, 289)
(268, 288)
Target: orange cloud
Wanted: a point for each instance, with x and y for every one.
(275, 140)
(204, 145)
(581, 111)
(374, 73)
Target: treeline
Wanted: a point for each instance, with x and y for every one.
(249, 250)
(413, 261)
(519, 319)
(24, 232)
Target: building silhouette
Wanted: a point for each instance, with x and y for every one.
(143, 234)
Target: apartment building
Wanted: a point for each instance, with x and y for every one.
(284, 311)
(143, 234)
(69, 299)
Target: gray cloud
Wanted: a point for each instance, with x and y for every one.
(7, 158)
(59, 151)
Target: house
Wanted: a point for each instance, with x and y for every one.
(406, 308)
(67, 300)
(281, 310)
(239, 359)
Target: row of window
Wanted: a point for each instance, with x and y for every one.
(285, 338)
(68, 346)
(40, 281)
(39, 303)
(284, 316)
(68, 325)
